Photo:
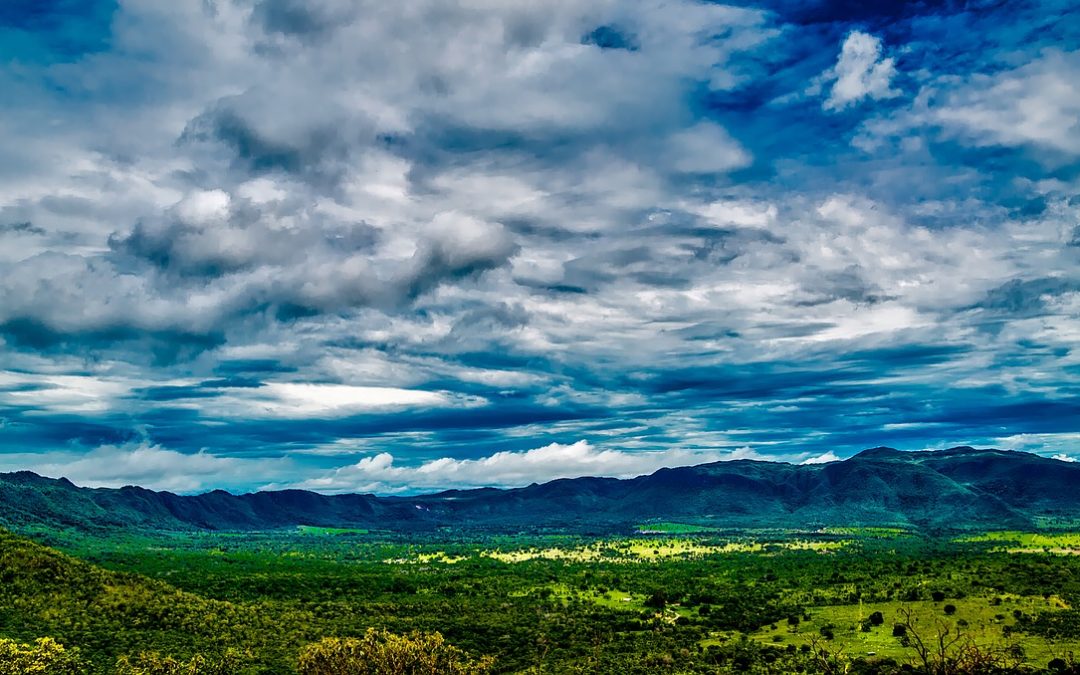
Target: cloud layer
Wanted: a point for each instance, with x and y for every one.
(381, 473)
(527, 240)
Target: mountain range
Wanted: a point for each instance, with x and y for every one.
(957, 488)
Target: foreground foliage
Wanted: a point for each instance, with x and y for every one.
(153, 663)
(44, 656)
(383, 653)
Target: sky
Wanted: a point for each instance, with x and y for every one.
(369, 246)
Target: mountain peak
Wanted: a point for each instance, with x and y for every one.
(880, 452)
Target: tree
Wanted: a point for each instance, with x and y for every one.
(657, 600)
(152, 663)
(828, 660)
(385, 653)
(952, 652)
(46, 655)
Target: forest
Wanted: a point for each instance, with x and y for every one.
(667, 598)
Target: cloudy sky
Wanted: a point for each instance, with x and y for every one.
(400, 246)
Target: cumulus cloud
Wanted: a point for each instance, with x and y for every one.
(1036, 103)
(290, 209)
(861, 72)
(824, 458)
(706, 148)
(381, 473)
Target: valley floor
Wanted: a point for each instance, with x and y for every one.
(671, 597)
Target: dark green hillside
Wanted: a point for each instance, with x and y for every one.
(951, 489)
(44, 593)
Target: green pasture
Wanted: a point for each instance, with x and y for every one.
(988, 621)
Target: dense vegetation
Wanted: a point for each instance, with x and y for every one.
(848, 600)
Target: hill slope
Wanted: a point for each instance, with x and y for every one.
(106, 614)
(952, 488)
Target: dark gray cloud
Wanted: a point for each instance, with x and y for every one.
(23, 227)
(1025, 298)
(307, 20)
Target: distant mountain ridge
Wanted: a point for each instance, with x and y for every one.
(957, 488)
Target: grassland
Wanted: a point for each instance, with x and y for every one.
(311, 529)
(989, 621)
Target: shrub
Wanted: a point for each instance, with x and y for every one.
(46, 655)
(152, 663)
(384, 653)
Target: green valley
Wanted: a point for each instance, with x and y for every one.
(849, 599)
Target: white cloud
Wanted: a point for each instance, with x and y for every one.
(382, 473)
(860, 72)
(706, 148)
(74, 394)
(1057, 445)
(829, 456)
(302, 400)
(1037, 103)
(148, 466)
(1061, 457)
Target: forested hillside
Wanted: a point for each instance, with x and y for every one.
(956, 488)
(62, 616)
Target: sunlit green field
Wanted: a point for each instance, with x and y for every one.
(631, 550)
(1028, 542)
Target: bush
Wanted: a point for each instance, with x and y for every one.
(152, 663)
(950, 609)
(899, 630)
(877, 618)
(46, 655)
(384, 653)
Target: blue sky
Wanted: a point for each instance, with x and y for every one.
(393, 247)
